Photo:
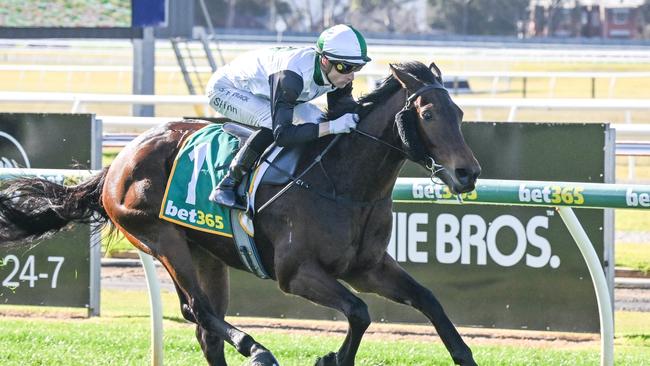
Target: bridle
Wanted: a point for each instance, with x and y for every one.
(429, 163)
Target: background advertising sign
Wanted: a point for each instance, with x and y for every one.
(54, 272)
(491, 266)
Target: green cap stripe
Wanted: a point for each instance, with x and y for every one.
(318, 75)
(362, 42)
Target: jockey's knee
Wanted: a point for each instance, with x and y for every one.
(261, 139)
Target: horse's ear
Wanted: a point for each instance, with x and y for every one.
(436, 71)
(407, 80)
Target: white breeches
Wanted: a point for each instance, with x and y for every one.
(253, 110)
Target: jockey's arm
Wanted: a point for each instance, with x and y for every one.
(286, 87)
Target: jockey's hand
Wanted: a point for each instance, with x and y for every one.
(344, 124)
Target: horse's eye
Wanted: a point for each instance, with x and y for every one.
(427, 115)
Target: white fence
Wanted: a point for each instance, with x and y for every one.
(625, 132)
(634, 139)
(372, 74)
(76, 100)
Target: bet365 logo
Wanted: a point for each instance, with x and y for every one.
(635, 199)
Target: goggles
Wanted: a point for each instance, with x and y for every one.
(346, 68)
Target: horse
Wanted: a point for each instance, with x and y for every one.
(308, 239)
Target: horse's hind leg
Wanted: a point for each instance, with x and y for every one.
(388, 279)
(211, 346)
(212, 274)
(167, 243)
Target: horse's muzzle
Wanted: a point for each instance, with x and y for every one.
(466, 179)
(462, 180)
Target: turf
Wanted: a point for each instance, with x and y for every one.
(121, 337)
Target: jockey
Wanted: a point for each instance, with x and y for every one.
(270, 89)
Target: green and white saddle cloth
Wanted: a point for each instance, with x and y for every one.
(199, 166)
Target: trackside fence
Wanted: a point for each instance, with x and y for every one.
(562, 195)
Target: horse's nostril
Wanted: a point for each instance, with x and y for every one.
(462, 175)
(475, 176)
(467, 176)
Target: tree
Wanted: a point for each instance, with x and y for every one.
(483, 17)
(645, 20)
(380, 12)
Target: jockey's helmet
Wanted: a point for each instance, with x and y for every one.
(343, 43)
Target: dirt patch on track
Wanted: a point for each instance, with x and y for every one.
(418, 333)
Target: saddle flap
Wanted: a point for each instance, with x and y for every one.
(239, 131)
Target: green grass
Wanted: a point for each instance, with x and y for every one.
(634, 256)
(632, 220)
(65, 13)
(113, 247)
(121, 337)
(109, 154)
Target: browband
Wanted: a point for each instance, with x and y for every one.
(426, 88)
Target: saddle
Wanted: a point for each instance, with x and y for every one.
(282, 162)
(276, 166)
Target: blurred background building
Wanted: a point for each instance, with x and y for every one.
(625, 19)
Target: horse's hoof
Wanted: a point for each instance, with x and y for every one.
(264, 358)
(327, 360)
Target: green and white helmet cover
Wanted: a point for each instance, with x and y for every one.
(343, 43)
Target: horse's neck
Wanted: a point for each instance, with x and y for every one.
(367, 169)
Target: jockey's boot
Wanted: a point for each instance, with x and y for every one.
(224, 193)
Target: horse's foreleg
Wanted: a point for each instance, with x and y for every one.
(388, 279)
(311, 282)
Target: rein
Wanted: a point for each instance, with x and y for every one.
(429, 164)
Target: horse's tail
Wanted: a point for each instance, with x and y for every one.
(35, 208)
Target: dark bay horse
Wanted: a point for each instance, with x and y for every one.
(308, 242)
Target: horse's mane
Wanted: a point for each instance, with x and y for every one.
(388, 86)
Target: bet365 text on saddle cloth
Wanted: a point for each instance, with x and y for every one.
(200, 164)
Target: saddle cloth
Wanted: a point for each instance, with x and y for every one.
(201, 163)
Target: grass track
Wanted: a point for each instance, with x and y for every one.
(121, 337)
(124, 341)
